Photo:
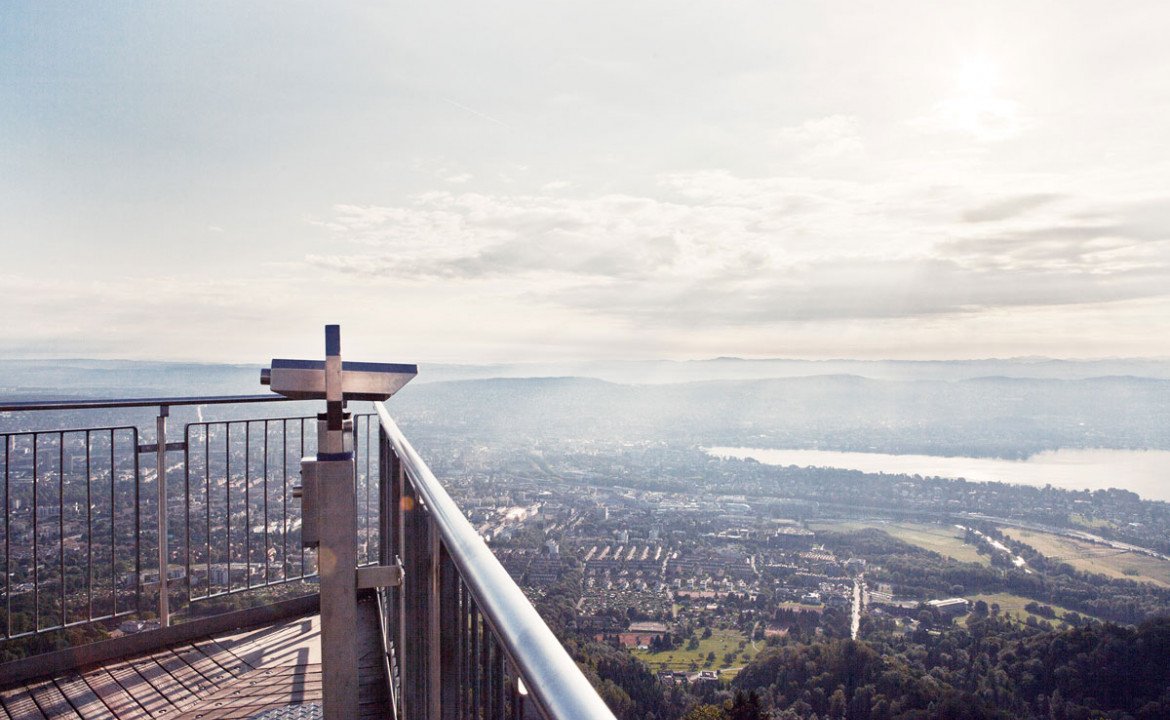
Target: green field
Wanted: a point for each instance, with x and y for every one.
(1095, 558)
(946, 540)
(1014, 604)
(1095, 524)
(721, 642)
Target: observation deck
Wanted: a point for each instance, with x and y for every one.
(153, 566)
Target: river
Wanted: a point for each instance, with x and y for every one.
(1145, 472)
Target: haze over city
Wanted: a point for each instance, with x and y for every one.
(722, 361)
(510, 181)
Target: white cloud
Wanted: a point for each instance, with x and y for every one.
(827, 138)
(713, 248)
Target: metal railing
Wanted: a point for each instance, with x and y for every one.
(84, 544)
(50, 583)
(467, 643)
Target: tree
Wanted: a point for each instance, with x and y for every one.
(705, 712)
(837, 704)
(745, 706)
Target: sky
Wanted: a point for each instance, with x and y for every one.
(502, 182)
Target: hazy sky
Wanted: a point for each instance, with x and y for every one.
(495, 181)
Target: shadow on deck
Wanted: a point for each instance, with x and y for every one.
(237, 674)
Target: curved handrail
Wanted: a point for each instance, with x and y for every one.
(553, 680)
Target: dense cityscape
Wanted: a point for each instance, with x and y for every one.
(705, 360)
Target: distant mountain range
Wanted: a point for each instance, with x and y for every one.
(725, 368)
(44, 378)
(1004, 408)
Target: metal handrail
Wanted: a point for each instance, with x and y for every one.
(98, 403)
(552, 678)
(159, 450)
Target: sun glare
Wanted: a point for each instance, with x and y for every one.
(976, 106)
(978, 77)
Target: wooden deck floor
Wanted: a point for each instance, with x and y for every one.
(234, 675)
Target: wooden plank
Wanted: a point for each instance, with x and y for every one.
(20, 704)
(114, 649)
(53, 703)
(81, 697)
(115, 697)
(278, 670)
(234, 663)
(269, 686)
(270, 700)
(174, 691)
(154, 702)
(4, 713)
(215, 673)
(222, 657)
(197, 685)
(287, 694)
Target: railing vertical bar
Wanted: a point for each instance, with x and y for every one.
(397, 509)
(302, 515)
(415, 655)
(398, 497)
(137, 528)
(7, 538)
(227, 488)
(464, 648)
(374, 539)
(369, 526)
(160, 477)
(386, 514)
(494, 678)
(485, 668)
(61, 518)
(358, 530)
(88, 531)
(501, 681)
(247, 504)
(113, 524)
(36, 558)
(187, 510)
(431, 609)
(514, 695)
(284, 499)
(475, 661)
(207, 497)
(267, 577)
(384, 520)
(449, 636)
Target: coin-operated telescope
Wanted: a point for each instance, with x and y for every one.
(329, 502)
(336, 383)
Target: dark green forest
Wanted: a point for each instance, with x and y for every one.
(988, 668)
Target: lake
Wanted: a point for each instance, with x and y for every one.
(1145, 472)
